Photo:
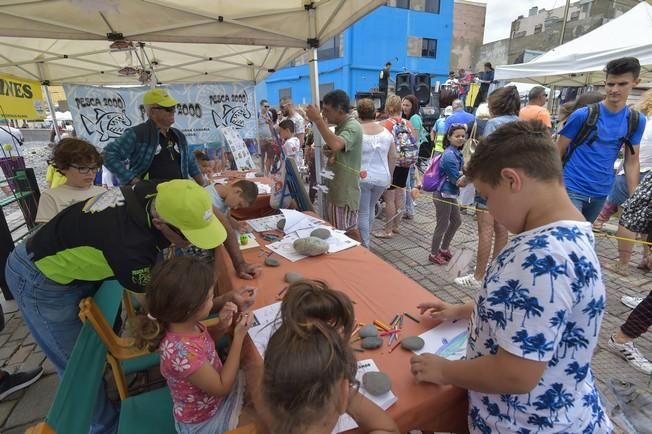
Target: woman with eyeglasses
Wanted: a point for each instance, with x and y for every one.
(78, 161)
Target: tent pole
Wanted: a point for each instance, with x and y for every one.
(46, 84)
(314, 91)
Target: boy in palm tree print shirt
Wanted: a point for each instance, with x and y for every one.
(536, 319)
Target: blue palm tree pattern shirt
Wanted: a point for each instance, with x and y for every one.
(542, 299)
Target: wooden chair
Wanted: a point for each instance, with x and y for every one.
(74, 402)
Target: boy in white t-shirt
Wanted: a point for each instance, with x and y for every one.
(239, 194)
(79, 162)
(291, 144)
(536, 319)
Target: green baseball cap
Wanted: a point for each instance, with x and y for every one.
(185, 205)
(159, 96)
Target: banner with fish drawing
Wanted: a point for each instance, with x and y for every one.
(102, 114)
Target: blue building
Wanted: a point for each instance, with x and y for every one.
(414, 35)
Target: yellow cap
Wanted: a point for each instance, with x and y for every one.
(160, 97)
(185, 205)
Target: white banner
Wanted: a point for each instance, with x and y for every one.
(102, 114)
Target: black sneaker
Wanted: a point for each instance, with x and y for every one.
(20, 380)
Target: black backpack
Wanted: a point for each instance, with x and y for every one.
(589, 130)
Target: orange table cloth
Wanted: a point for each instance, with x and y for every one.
(261, 207)
(379, 292)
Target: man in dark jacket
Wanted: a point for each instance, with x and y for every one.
(152, 150)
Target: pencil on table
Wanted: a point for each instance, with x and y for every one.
(411, 317)
(394, 347)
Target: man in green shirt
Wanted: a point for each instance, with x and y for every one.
(344, 151)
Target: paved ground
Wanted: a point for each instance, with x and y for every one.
(408, 252)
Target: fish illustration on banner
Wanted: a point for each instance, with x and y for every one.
(102, 114)
(107, 124)
(234, 111)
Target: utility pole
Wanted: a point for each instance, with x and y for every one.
(553, 89)
(563, 23)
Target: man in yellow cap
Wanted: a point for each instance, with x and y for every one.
(153, 150)
(117, 234)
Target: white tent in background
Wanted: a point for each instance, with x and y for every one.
(581, 61)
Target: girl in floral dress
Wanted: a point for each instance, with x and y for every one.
(207, 394)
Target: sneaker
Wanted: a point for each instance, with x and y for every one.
(631, 354)
(446, 254)
(468, 282)
(631, 302)
(20, 380)
(438, 259)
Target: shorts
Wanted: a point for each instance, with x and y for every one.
(399, 179)
(620, 192)
(226, 417)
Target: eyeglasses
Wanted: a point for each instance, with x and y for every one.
(166, 109)
(85, 170)
(265, 106)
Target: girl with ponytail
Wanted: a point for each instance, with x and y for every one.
(309, 368)
(207, 394)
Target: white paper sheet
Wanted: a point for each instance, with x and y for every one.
(447, 340)
(346, 422)
(296, 220)
(266, 321)
(263, 224)
(263, 188)
(336, 243)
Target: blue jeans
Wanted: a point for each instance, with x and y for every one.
(51, 312)
(409, 184)
(369, 195)
(589, 206)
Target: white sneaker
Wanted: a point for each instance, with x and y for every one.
(631, 302)
(631, 354)
(468, 282)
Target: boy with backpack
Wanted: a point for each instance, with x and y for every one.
(591, 139)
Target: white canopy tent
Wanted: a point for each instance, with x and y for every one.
(167, 41)
(581, 61)
(189, 41)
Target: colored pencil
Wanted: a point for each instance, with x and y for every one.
(391, 332)
(394, 347)
(411, 317)
(382, 325)
(358, 350)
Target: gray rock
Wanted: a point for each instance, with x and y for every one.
(291, 277)
(412, 343)
(322, 233)
(259, 174)
(368, 331)
(271, 262)
(310, 246)
(280, 224)
(376, 383)
(371, 343)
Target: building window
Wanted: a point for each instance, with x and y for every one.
(429, 47)
(403, 4)
(538, 28)
(331, 49)
(325, 88)
(432, 6)
(285, 93)
(575, 16)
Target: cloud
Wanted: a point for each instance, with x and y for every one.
(501, 13)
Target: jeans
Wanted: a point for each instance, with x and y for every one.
(409, 184)
(369, 196)
(589, 206)
(620, 192)
(448, 221)
(51, 312)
